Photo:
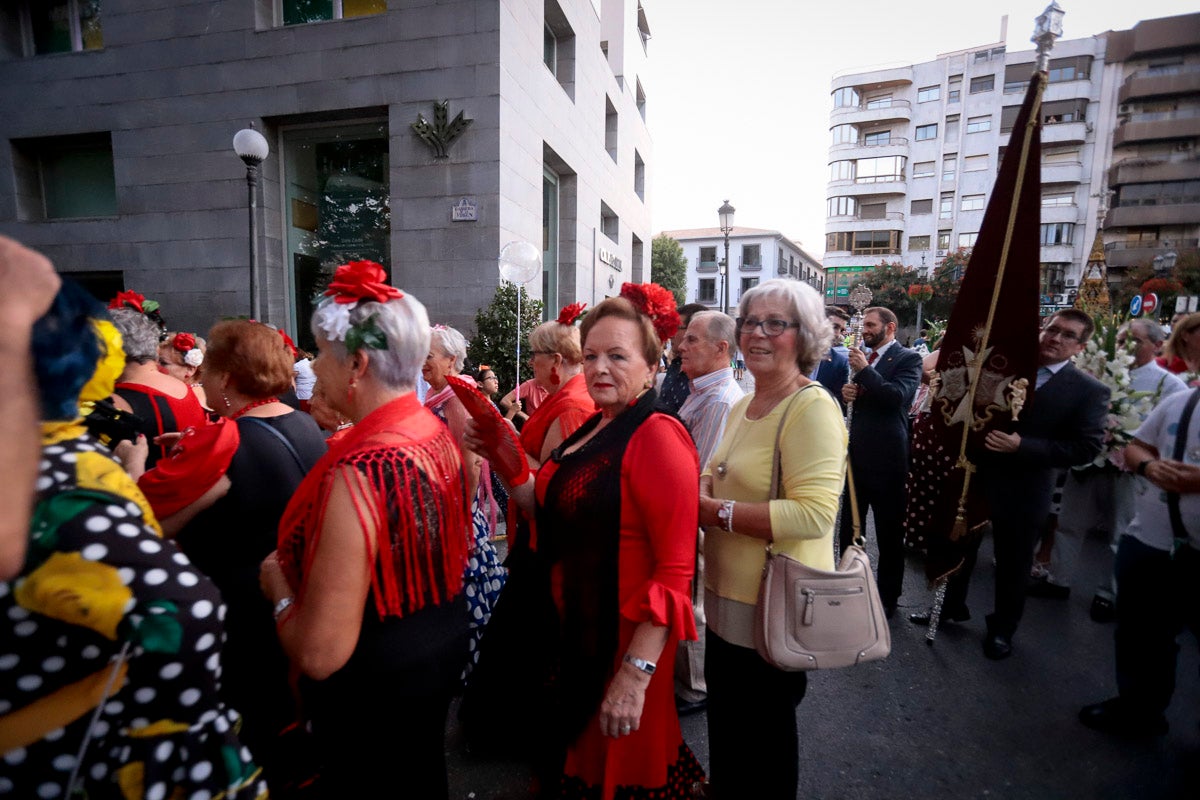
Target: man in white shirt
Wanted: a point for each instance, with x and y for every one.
(704, 352)
(1104, 500)
(1158, 569)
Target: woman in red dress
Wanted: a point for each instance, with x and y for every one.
(616, 507)
(164, 403)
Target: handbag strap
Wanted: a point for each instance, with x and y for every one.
(290, 448)
(777, 461)
(1181, 435)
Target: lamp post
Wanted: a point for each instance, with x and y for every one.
(1047, 28)
(252, 149)
(725, 213)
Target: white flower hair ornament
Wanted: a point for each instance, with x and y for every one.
(352, 283)
(193, 357)
(185, 344)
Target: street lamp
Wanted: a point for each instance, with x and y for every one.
(1047, 28)
(252, 149)
(725, 213)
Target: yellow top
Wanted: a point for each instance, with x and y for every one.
(813, 471)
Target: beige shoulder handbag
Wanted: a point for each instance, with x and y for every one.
(808, 618)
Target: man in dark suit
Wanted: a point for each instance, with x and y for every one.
(1063, 426)
(834, 369)
(882, 391)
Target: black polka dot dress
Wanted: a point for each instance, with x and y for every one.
(104, 602)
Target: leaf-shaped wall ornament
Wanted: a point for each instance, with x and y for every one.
(442, 131)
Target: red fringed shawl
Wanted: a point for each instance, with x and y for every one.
(414, 471)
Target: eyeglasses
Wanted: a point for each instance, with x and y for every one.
(770, 327)
(1061, 333)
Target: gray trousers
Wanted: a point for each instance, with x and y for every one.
(1090, 501)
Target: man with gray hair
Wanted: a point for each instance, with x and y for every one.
(704, 351)
(1104, 500)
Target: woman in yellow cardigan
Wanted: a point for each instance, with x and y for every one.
(783, 333)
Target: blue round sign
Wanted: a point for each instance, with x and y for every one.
(1135, 305)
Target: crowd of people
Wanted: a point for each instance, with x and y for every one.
(219, 579)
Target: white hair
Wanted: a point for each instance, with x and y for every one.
(815, 334)
(451, 343)
(139, 334)
(403, 322)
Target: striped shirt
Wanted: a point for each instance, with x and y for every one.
(706, 409)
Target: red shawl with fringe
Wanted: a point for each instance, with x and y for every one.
(414, 471)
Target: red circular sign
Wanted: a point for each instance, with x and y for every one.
(1149, 302)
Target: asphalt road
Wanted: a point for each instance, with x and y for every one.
(943, 721)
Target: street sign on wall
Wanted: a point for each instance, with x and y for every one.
(1149, 302)
(1135, 305)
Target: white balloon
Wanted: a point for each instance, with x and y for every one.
(520, 262)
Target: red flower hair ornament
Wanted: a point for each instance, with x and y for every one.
(656, 303)
(130, 299)
(361, 280)
(571, 313)
(184, 342)
(287, 342)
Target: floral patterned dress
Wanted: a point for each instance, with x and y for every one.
(110, 634)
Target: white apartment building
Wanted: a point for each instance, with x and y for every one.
(756, 255)
(915, 150)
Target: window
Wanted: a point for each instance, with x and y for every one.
(971, 202)
(1058, 200)
(1008, 118)
(918, 242)
(982, 55)
(954, 89)
(300, 12)
(65, 26)
(877, 138)
(610, 224)
(1074, 110)
(926, 132)
(949, 166)
(967, 239)
(879, 101)
(872, 211)
(979, 124)
(708, 291)
(844, 134)
(946, 205)
(1061, 157)
(929, 93)
(923, 169)
(1057, 233)
(841, 206)
(610, 128)
(1053, 275)
(943, 240)
(639, 176)
(1078, 68)
(747, 285)
(751, 256)
(879, 170)
(922, 206)
(65, 177)
(975, 163)
(838, 241)
(846, 98)
(1016, 77)
(841, 171)
(641, 99)
(984, 83)
(1159, 193)
(558, 46)
(708, 256)
(868, 243)
(952, 127)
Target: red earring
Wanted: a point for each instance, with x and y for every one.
(350, 392)
(554, 379)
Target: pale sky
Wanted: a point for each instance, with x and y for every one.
(738, 96)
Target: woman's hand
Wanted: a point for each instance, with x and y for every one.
(168, 440)
(621, 710)
(133, 455)
(271, 579)
(708, 512)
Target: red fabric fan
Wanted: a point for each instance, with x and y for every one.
(194, 465)
(500, 440)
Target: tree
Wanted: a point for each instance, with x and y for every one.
(495, 341)
(668, 267)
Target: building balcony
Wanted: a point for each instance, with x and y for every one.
(1161, 81)
(871, 81)
(896, 146)
(1065, 133)
(1168, 214)
(708, 266)
(1060, 214)
(1183, 123)
(856, 223)
(873, 113)
(1138, 171)
(876, 186)
(1060, 253)
(1062, 172)
(750, 266)
(1123, 254)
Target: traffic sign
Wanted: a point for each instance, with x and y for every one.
(1135, 306)
(1149, 302)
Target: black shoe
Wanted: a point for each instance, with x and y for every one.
(1112, 716)
(997, 646)
(922, 618)
(688, 707)
(1051, 590)
(1104, 607)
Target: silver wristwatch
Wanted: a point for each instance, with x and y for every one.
(645, 666)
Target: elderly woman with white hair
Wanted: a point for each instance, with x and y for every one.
(367, 580)
(783, 333)
(485, 576)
